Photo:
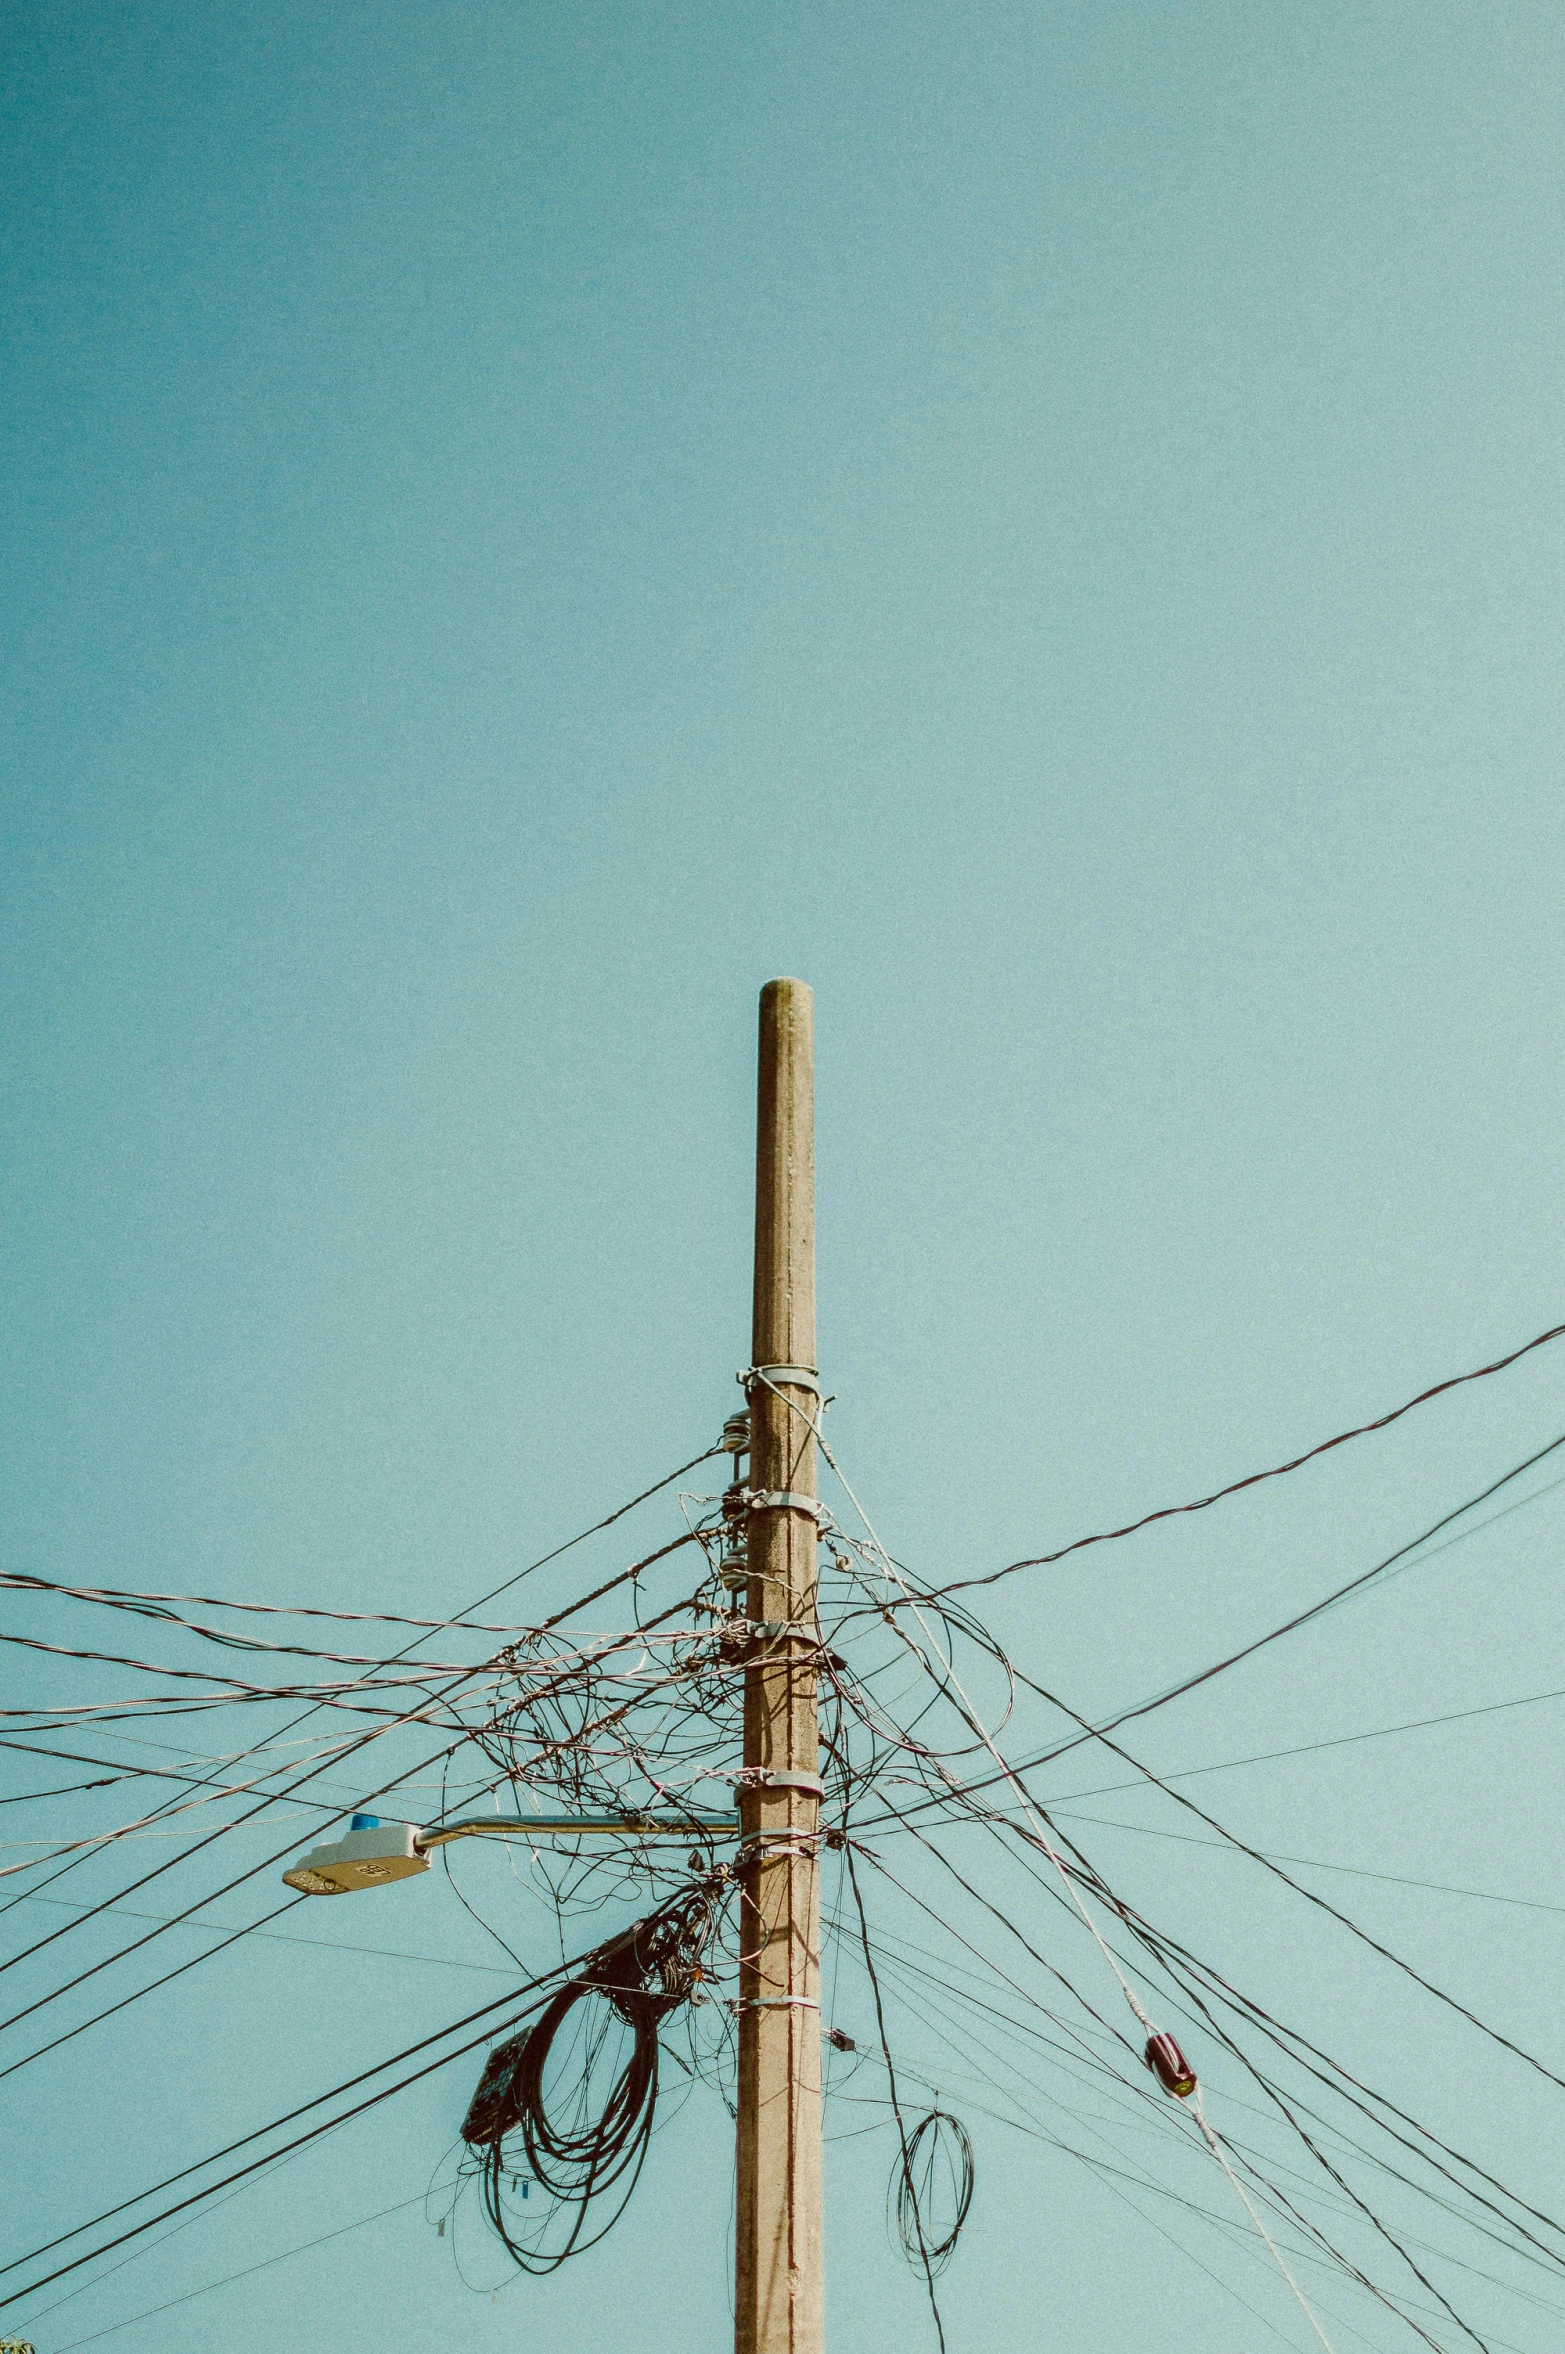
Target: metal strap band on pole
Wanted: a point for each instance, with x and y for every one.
(782, 1500)
(765, 1847)
(775, 1778)
(797, 1377)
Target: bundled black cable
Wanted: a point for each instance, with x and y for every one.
(576, 2141)
(933, 2172)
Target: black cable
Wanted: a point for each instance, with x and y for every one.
(272, 2157)
(997, 1825)
(954, 1791)
(542, 1562)
(1205, 1676)
(1329, 1602)
(1229, 1765)
(1272, 2190)
(891, 2080)
(214, 2157)
(122, 1772)
(168, 1806)
(178, 1971)
(1322, 2161)
(634, 1982)
(936, 2136)
(65, 1790)
(1278, 1471)
(1322, 1903)
(145, 1605)
(212, 1897)
(1285, 2037)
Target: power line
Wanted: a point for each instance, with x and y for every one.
(362, 1742)
(215, 2157)
(1254, 1479)
(1313, 1863)
(384, 1953)
(1423, 1724)
(939, 1595)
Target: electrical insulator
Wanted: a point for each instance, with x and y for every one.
(1169, 2065)
(733, 1570)
(736, 1434)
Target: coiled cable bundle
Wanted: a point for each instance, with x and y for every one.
(933, 2175)
(567, 2105)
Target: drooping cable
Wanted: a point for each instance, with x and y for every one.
(1254, 1479)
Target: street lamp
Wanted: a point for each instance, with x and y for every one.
(375, 1852)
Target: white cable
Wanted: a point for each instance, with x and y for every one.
(1214, 2143)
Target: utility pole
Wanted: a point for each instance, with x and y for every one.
(778, 2282)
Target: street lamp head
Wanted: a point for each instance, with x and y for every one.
(372, 1852)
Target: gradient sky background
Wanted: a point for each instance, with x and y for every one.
(1044, 520)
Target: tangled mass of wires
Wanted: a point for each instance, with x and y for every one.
(985, 1962)
(609, 2016)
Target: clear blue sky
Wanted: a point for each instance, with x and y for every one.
(1043, 520)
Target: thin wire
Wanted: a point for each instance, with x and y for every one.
(1192, 1683)
(362, 1742)
(484, 2011)
(229, 2278)
(1230, 1765)
(896, 2106)
(1313, 1863)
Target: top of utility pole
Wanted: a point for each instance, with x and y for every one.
(783, 1331)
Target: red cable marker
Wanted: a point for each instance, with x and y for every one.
(1169, 2065)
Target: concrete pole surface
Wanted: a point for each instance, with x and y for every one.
(778, 2299)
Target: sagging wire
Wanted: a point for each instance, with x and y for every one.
(1296, 1463)
(1158, 1947)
